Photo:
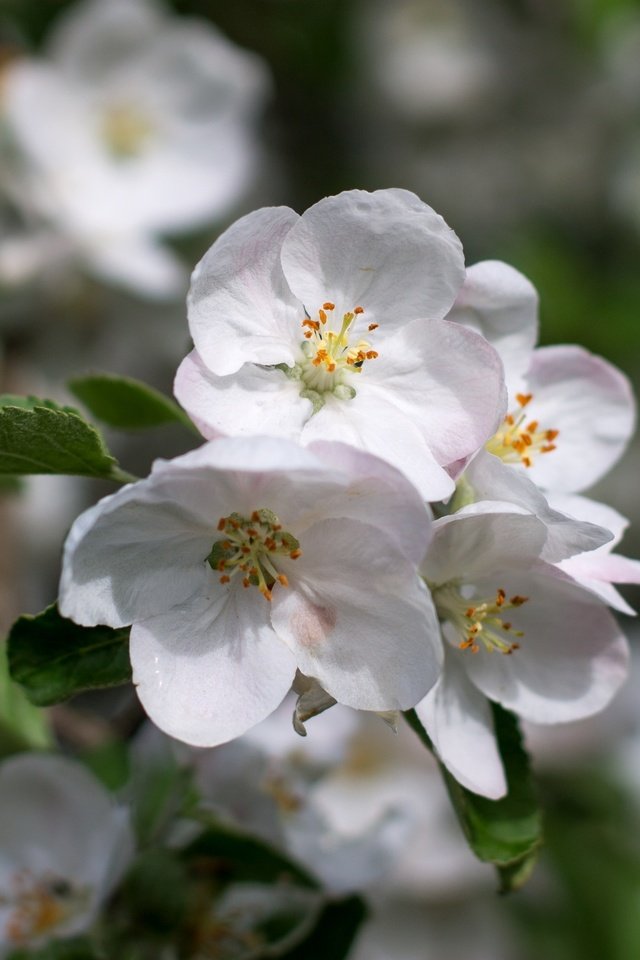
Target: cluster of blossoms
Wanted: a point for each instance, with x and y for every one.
(385, 512)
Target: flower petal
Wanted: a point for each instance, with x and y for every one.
(253, 400)
(369, 422)
(458, 719)
(499, 303)
(591, 404)
(358, 619)
(445, 379)
(240, 308)
(211, 668)
(386, 251)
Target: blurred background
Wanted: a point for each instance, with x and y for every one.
(132, 134)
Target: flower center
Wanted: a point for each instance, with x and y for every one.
(517, 441)
(124, 130)
(251, 547)
(479, 621)
(329, 356)
(38, 905)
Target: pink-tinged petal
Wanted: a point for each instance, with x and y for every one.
(240, 308)
(377, 494)
(212, 668)
(572, 657)
(386, 251)
(499, 303)
(479, 539)
(255, 400)
(358, 619)
(490, 479)
(458, 719)
(446, 379)
(590, 403)
(601, 513)
(371, 423)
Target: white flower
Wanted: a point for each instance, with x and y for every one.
(136, 124)
(329, 326)
(571, 413)
(518, 632)
(248, 558)
(64, 845)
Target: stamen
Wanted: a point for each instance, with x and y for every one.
(481, 624)
(520, 442)
(330, 355)
(251, 547)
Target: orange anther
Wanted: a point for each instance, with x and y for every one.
(524, 398)
(532, 427)
(282, 579)
(373, 326)
(295, 554)
(222, 522)
(358, 310)
(225, 578)
(328, 305)
(323, 316)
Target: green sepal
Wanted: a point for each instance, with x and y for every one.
(125, 403)
(53, 658)
(506, 832)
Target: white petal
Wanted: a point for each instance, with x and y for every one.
(370, 422)
(358, 619)
(591, 403)
(211, 668)
(386, 251)
(240, 308)
(138, 264)
(458, 719)
(447, 380)
(502, 305)
(253, 400)
(480, 539)
(491, 479)
(377, 494)
(572, 657)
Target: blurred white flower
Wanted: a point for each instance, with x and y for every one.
(64, 845)
(136, 124)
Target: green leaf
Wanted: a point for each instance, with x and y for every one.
(38, 436)
(22, 726)
(126, 403)
(241, 858)
(334, 932)
(156, 889)
(54, 658)
(506, 832)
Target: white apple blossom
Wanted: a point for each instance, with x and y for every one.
(518, 631)
(600, 569)
(570, 413)
(134, 124)
(329, 326)
(247, 559)
(64, 845)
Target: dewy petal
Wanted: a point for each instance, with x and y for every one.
(371, 423)
(572, 658)
(490, 479)
(446, 379)
(253, 400)
(458, 719)
(358, 619)
(591, 404)
(211, 668)
(479, 539)
(386, 251)
(499, 303)
(240, 308)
